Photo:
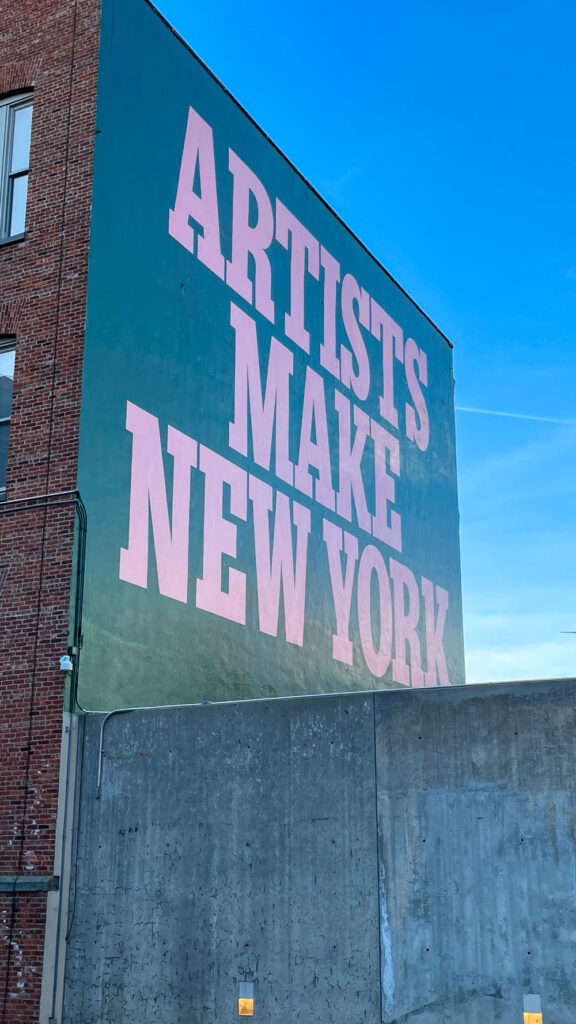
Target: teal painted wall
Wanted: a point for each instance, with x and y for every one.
(228, 532)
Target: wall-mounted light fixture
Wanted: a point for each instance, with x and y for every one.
(246, 999)
(532, 1009)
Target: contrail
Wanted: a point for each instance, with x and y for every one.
(516, 415)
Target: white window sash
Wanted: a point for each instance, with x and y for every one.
(8, 108)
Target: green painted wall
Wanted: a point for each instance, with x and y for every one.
(175, 302)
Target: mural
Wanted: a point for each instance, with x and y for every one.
(267, 447)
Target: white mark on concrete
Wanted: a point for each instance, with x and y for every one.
(388, 987)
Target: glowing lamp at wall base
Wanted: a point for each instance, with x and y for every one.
(532, 1009)
(246, 999)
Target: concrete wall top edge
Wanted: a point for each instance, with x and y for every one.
(444, 695)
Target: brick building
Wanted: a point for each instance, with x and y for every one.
(48, 77)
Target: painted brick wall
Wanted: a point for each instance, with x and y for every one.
(51, 47)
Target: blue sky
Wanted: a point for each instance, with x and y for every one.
(444, 134)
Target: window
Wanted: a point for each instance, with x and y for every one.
(15, 134)
(7, 353)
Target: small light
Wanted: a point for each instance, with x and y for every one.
(246, 999)
(66, 663)
(532, 1009)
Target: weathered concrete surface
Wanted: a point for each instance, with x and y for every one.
(228, 844)
(477, 817)
(246, 842)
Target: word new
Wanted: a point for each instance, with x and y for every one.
(387, 615)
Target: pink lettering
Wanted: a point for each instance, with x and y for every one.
(342, 584)
(405, 624)
(328, 358)
(148, 491)
(360, 380)
(377, 658)
(274, 408)
(302, 243)
(280, 570)
(436, 657)
(350, 482)
(385, 487)
(417, 357)
(201, 206)
(220, 538)
(315, 453)
(250, 239)
(391, 335)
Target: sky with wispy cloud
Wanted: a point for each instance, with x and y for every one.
(444, 134)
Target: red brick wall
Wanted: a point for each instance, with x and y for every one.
(52, 47)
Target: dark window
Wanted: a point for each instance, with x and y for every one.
(7, 353)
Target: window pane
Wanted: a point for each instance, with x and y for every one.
(4, 433)
(7, 363)
(5, 397)
(22, 128)
(18, 211)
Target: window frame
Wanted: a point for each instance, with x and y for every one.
(7, 344)
(8, 108)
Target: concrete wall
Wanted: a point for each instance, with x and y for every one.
(403, 857)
